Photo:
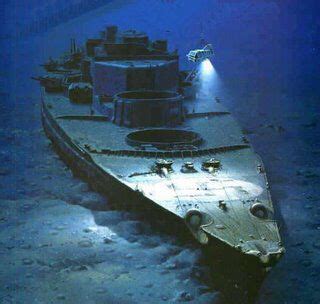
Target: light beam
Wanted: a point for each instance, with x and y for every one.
(206, 67)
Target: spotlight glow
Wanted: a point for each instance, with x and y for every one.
(206, 67)
(208, 79)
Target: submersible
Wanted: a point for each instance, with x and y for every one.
(122, 114)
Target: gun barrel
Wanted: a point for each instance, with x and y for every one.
(44, 79)
(36, 78)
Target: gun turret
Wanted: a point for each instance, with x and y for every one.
(51, 82)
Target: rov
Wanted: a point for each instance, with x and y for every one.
(200, 55)
(203, 65)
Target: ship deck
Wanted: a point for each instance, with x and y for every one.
(206, 117)
(239, 183)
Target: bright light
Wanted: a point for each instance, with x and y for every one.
(208, 80)
(206, 67)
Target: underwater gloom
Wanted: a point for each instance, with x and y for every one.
(159, 152)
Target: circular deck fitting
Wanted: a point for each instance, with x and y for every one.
(211, 163)
(148, 109)
(259, 210)
(188, 167)
(164, 163)
(164, 138)
(194, 218)
(222, 205)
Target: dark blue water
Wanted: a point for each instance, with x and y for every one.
(267, 56)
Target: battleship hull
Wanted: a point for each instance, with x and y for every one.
(108, 173)
(152, 137)
(231, 266)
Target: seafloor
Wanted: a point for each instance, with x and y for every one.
(62, 243)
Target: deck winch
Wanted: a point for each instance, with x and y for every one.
(163, 166)
(211, 164)
(188, 167)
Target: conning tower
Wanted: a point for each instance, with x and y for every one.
(134, 79)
